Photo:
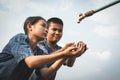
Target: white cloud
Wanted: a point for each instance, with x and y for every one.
(107, 31)
(20, 6)
(98, 56)
(104, 55)
(16, 6)
(66, 4)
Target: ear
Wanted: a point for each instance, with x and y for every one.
(29, 27)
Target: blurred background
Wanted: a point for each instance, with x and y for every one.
(101, 33)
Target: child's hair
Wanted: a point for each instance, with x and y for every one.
(31, 20)
(54, 20)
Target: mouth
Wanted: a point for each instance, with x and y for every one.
(45, 34)
(57, 37)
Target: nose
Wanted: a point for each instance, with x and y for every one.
(46, 30)
(57, 32)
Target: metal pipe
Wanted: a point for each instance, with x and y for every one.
(108, 5)
(91, 12)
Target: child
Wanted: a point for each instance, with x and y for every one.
(55, 32)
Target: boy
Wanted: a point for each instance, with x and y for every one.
(55, 31)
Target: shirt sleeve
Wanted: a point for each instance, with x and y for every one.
(20, 47)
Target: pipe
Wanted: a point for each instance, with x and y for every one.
(91, 12)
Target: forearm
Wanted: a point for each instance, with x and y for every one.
(60, 50)
(57, 64)
(70, 61)
(40, 60)
(48, 72)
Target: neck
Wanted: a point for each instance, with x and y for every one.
(33, 42)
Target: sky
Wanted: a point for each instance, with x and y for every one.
(101, 33)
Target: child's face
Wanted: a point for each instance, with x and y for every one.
(39, 30)
(54, 32)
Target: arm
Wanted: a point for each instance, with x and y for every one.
(70, 61)
(40, 60)
(36, 61)
(46, 73)
(22, 51)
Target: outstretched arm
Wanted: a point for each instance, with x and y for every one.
(70, 61)
(46, 73)
(40, 60)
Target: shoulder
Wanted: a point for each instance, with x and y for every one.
(19, 38)
(42, 42)
(39, 51)
(58, 47)
(43, 46)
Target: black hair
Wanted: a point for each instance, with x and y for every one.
(31, 20)
(54, 20)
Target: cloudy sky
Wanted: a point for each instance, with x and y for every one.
(101, 32)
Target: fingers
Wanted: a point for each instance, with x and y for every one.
(76, 50)
(69, 51)
(81, 48)
(69, 44)
(71, 48)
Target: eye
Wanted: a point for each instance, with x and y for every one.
(44, 25)
(60, 30)
(54, 29)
